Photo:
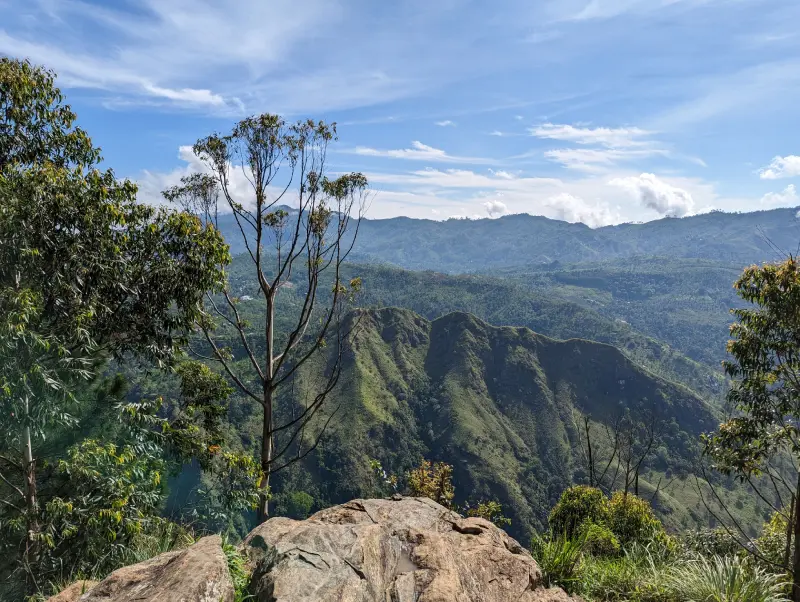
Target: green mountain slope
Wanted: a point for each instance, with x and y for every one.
(683, 302)
(497, 403)
(504, 303)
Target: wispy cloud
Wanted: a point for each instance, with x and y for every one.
(781, 167)
(604, 136)
(446, 123)
(597, 160)
(421, 152)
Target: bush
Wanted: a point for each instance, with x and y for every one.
(578, 504)
(772, 542)
(725, 579)
(710, 542)
(632, 520)
(600, 541)
(491, 511)
(433, 481)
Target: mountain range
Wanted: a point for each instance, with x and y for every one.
(463, 245)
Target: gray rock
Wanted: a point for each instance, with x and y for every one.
(400, 550)
(197, 574)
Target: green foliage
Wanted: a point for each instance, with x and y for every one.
(765, 363)
(294, 504)
(578, 504)
(635, 576)
(383, 483)
(491, 511)
(238, 570)
(558, 558)
(710, 542)
(112, 502)
(771, 544)
(631, 519)
(433, 481)
(725, 579)
(35, 124)
(600, 540)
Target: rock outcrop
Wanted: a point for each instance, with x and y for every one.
(197, 574)
(74, 592)
(400, 550)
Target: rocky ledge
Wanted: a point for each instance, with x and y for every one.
(399, 550)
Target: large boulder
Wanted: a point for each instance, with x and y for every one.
(73, 592)
(197, 574)
(399, 550)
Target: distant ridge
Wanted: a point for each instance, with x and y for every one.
(477, 245)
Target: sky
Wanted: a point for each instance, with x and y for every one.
(598, 111)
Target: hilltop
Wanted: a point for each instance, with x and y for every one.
(499, 404)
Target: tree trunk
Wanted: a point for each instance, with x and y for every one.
(31, 555)
(796, 562)
(636, 483)
(589, 449)
(789, 530)
(266, 459)
(266, 429)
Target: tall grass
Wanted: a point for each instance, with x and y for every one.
(558, 558)
(725, 579)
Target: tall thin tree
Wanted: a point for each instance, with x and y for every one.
(253, 173)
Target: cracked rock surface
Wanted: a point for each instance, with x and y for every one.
(400, 550)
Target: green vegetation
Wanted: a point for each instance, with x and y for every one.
(765, 366)
(684, 302)
(650, 566)
(587, 433)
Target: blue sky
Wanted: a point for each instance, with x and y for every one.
(600, 111)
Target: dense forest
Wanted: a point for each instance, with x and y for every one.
(621, 400)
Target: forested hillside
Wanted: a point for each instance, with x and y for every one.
(502, 405)
(461, 245)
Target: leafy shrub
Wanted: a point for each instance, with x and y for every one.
(578, 504)
(491, 511)
(113, 501)
(772, 542)
(433, 481)
(558, 558)
(725, 579)
(710, 542)
(631, 519)
(600, 541)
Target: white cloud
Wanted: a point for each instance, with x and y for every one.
(608, 137)
(420, 152)
(657, 194)
(787, 198)
(596, 160)
(152, 184)
(446, 123)
(571, 208)
(495, 208)
(781, 167)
